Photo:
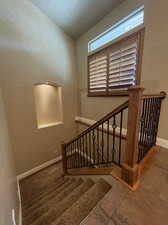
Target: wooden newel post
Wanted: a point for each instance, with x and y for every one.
(64, 158)
(130, 169)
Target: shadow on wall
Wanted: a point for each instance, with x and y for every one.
(20, 70)
(8, 190)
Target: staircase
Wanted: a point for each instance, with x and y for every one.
(124, 139)
(55, 197)
(60, 200)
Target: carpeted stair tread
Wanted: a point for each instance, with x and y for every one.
(37, 182)
(81, 208)
(49, 196)
(35, 189)
(55, 208)
(47, 192)
(34, 212)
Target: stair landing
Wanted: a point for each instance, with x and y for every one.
(148, 205)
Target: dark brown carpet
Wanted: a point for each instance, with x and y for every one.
(50, 199)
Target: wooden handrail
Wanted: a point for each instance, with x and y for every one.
(105, 130)
(162, 94)
(98, 123)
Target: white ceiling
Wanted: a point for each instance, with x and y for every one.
(75, 17)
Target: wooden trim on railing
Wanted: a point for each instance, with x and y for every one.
(105, 130)
(148, 160)
(162, 94)
(98, 123)
(129, 168)
(90, 171)
(134, 114)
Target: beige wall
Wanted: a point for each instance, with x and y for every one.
(48, 100)
(8, 190)
(34, 50)
(154, 68)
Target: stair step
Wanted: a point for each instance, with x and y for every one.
(40, 181)
(57, 208)
(34, 212)
(45, 192)
(46, 189)
(47, 196)
(81, 208)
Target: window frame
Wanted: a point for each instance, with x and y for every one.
(140, 34)
(142, 8)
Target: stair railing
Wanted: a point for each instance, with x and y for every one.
(100, 144)
(112, 141)
(142, 128)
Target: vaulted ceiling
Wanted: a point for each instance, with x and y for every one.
(75, 17)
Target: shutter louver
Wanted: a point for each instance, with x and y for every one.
(117, 67)
(122, 67)
(98, 74)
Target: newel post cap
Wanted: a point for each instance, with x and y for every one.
(136, 88)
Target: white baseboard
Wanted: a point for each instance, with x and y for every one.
(38, 168)
(20, 204)
(48, 163)
(160, 141)
(83, 154)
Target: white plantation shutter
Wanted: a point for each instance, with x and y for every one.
(122, 67)
(115, 68)
(98, 74)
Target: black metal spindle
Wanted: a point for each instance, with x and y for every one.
(98, 154)
(83, 150)
(108, 140)
(78, 152)
(86, 144)
(114, 127)
(120, 138)
(90, 149)
(102, 143)
(149, 125)
(93, 141)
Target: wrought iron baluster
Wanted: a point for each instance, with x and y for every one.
(149, 125)
(67, 151)
(102, 143)
(142, 125)
(86, 144)
(145, 127)
(108, 140)
(98, 146)
(90, 148)
(72, 156)
(74, 152)
(147, 137)
(80, 152)
(158, 116)
(83, 147)
(114, 127)
(93, 141)
(152, 121)
(120, 138)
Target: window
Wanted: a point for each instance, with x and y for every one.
(48, 99)
(113, 69)
(132, 21)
